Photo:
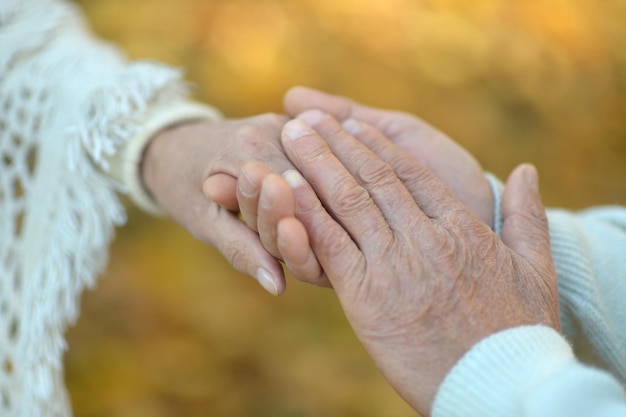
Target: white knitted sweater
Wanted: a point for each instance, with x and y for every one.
(74, 117)
(71, 109)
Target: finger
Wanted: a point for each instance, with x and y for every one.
(337, 188)
(424, 189)
(394, 124)
(418, 138)
(430, 193)
(525, 226)
(335, 251)
(240, 246)
(248, 191)
(300, 99)
(293, 244)
(276, 201)
(276, 204)
(221, 188)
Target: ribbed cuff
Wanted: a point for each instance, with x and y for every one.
(497, 188)
(494, 377)
(125, 165)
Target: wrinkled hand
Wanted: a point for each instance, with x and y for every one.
(189, 166)
(420, 278)
(456, 167)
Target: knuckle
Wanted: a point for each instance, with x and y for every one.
(409, 170)
(349, 199)
(375, 171)
(236, 257)
(252, 134)
(260, 141)
(315, 154)
(308, 208)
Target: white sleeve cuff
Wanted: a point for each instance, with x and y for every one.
(526, 371)
(491, 377)
(125, 165)
(497, 188)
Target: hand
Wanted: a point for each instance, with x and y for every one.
(421, 279)
(184, 160)
(456, 167)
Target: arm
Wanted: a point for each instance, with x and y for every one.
(588, 250)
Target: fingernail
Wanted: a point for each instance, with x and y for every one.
(531, 176)
(311, 116)
(293, 178)
(246, 187)
(352, 126)
(295, 129)
(267, 281)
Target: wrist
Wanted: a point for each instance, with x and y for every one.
(145, 155)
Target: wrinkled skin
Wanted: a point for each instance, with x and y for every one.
(187, 167)
(457, 168)
(420, 277)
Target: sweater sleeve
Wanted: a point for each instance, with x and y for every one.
(589, 252)
(527, 371)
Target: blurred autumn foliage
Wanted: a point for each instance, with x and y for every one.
(173, 330)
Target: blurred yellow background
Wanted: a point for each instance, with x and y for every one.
(172, 330)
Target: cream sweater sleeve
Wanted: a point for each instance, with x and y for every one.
(527, 372)
(124, 164)
(74, 117)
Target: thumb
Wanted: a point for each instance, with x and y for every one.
(525, 228)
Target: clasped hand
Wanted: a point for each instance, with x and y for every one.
(420, 278)
(390, 212)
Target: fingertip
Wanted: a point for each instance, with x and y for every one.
(293, 240)
(522, 191)
(525, 224)
(524, 175)
(294, 178)
(276, 194)
(270, 282)
(352, 126)
(221, 188)
(531, 176)
(293, 243)
(295, 99)
(299, 99)
(250, 180)
(312, 116)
